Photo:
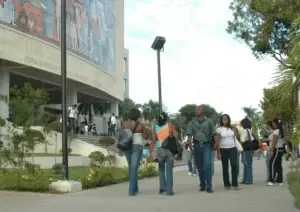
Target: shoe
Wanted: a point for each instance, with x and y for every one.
(236, 188)
(190, 173)
(194, 175)
(170, 194)
(209, 190)
(270, 184)
(242, 182)
(162, 191)
(227, 188)
(280, 184)
(202, 189)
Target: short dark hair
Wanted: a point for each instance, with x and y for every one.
(134, 114)
(162, 119)
(246, 123)
(279, 124)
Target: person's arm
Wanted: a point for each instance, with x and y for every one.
(144, 132)
(218, 139)
(274, 141)
(153, 142)
(189, 134)
(214, 135)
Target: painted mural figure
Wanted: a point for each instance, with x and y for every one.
(90, 25)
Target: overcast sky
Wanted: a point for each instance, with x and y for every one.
(201, 62)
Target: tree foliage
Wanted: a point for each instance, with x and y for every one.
(264, 25)
(256, 118)
(125, 107)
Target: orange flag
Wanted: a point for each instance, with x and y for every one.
(163, 134)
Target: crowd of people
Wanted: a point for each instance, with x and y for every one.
(203, 140)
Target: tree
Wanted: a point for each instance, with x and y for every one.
(256, 118)
(179, 122)
(264, 25)
(188, 112)
(125, 107)
(151, 110)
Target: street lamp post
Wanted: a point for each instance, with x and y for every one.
(158, 45)
(63, 58)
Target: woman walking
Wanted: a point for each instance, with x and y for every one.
(162, 130)
(247, 154)
(134, 155)
(227, 151)
(276, 152)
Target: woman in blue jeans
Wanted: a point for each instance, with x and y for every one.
(161, 131)
(134, 155)
(247, 155)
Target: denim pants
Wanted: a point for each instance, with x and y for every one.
(165, 169)
(267, 163)
(213, 155)
(191, 162)
(133, 159)
(248, 171)
(238, 163)
(203, 158)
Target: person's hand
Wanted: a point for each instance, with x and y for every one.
(219, 155)
(150, 158)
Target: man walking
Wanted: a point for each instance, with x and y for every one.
(202, 129)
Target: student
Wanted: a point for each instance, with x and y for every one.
(276, 153)
(165, 158)
(247, 154)
(228, 152)
(191, 159)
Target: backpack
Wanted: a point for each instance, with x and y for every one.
(125, 137)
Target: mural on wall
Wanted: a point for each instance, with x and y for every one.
(90, 25)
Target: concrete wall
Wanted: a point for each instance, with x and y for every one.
(77, 146)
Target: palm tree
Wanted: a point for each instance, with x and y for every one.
(256, 118)
(288, 73)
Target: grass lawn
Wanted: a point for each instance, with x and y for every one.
(295, 187)
(47, 154)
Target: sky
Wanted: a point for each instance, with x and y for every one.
(201, 63)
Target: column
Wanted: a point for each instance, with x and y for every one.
(71, 96)
(114, 108)
(4, 91)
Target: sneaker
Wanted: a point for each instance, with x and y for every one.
(236, 188)
(270, 184)
(162, 191)
(209, 190)
(202, 189)
(227, 188)
(280, 184)
(190, 173)
(194, 175)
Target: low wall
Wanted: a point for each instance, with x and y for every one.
(78, 147)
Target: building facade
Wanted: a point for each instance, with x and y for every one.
(126, 73)
(30, 49)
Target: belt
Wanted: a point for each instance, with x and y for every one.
(198, 142)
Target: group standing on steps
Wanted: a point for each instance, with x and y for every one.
(202, 141)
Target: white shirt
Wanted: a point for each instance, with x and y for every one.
(280, 140)
(113, 120)
(245, 136)
(73, 112)
(227, 137)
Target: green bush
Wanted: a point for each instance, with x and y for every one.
(294, 187)
(57, 168)
(97, 158)
(107, 141)
(148, 170)
(69, 150)
(111, 159)
(33, 168)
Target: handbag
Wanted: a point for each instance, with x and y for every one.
(238, 145)
(250, 144)
(171, 144)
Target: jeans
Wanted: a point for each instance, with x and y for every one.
(191, 162)
(238, 163)
(165, 169)
(72, 124)
(229, 155)
(248, 172)
(267, 163)
(133, 159)
(213, 155)
(275, 166)
(203, 156)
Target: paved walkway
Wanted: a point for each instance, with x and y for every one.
(256, 197)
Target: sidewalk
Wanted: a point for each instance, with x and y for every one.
(257, 197)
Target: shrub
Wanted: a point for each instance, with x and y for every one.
(97, 158)
(57, 168)
(33, 168)
(69, 150)
(107, 141)
(148, 170)
(111, 159)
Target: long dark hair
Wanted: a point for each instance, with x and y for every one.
(279, 124)
(162, 119)
(228, 123)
